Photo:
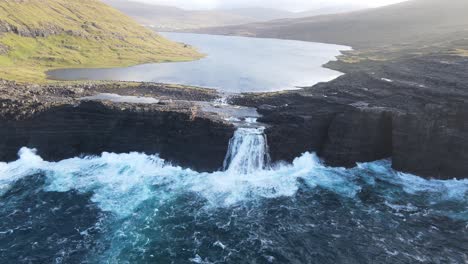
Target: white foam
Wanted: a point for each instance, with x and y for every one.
(248, 151)
(441, 189)
(27, 164)
(121, 182)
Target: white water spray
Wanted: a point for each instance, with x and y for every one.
(248, 151)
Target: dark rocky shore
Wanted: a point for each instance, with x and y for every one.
(413, 110)
(54, 120)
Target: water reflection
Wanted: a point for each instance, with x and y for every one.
(232, 64)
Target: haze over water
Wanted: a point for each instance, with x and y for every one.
(232, 64)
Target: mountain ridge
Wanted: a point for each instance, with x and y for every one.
(394, 24)
(169, 18)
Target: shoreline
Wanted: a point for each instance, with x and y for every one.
(234, 78)
(416, 116)
(54, 120)
(409, 109)
(325, 118)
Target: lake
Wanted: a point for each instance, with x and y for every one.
(232, 64)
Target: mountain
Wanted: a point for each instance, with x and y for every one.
(328, 9)
(171, 18)
(407, 22)
(38, 35)
(266, 14)
(168, 18)
(260, 14)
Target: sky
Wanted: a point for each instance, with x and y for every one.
(291, 5)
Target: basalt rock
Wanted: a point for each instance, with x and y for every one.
(91, 128)
(413, 111)
(60, 125)
(358, 135)
(434, 143)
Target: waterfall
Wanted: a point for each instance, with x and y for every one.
(248, 151)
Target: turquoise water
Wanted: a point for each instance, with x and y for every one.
(136, 208)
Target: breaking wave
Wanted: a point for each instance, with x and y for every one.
(157, 211)
(120, 182)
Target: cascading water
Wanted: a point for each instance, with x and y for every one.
(135, 208)
(247, 152)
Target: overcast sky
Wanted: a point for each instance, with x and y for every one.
(292, 5)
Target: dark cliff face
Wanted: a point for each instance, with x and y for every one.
(414, 111)
(431, 144)
(434, 144)
(91, 128)
(341, 134)
(358, 135)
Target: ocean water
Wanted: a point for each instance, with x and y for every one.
(136, 208)
(232, 64)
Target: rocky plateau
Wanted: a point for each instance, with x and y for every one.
(412, 110)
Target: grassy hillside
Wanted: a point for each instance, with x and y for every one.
(414, 21)
(38, 35)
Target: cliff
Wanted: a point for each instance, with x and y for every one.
(412, 110)
(56, 121)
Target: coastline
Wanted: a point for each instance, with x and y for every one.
(358, 117)
(59, 124)
(377, 110)
(411, 110)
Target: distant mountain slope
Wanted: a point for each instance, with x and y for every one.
(168, 18)
(328, 9)
(36, 35)
(267, 14)
(400, 23)
(260, 14)
(172, 18)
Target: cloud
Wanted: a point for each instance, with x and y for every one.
(295, 5)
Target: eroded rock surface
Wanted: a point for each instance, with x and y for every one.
(414, 111)
(54, 120)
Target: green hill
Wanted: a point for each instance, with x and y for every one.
(39, 35)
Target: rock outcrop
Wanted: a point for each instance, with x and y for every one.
(91, 128)
(414, 111)
(60, 125)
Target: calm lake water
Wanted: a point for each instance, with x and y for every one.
(232, 64)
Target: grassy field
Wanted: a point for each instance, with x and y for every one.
(74, 34)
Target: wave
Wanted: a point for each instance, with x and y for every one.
(119, 183)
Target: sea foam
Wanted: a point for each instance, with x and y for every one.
(119, 183)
